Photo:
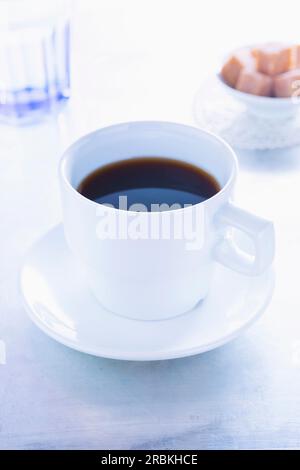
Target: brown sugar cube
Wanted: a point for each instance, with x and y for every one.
(297, 55)
(273, 58)
(255, 83)
(283, 84)
(231, 69)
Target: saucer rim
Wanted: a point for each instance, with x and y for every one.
(136, 355)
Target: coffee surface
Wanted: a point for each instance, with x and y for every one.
(149, 181)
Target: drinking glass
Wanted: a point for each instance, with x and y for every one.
(34, 58)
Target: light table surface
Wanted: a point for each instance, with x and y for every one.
(243, 395)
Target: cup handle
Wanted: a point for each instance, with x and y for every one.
(260, 231)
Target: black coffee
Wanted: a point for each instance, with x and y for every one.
(149, 181)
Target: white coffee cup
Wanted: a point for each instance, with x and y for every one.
(148, 277)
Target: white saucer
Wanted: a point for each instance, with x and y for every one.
(59, 302)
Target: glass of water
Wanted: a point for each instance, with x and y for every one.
(34, 58)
